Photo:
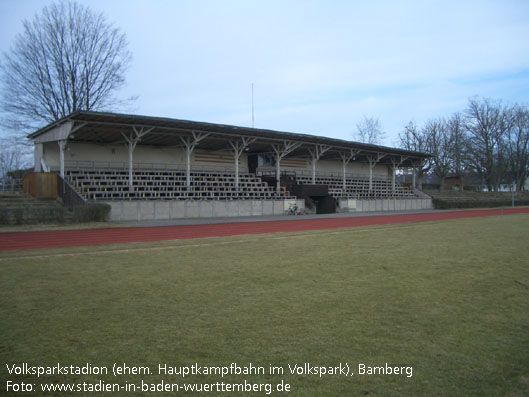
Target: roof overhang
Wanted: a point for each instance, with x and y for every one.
(108, 128)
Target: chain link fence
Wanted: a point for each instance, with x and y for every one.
(8, 184)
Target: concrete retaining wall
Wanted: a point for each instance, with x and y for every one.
(380, 205)
(182, 209)
(176, 209)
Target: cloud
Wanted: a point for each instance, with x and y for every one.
(317, 66)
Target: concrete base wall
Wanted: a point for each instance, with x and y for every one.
(176, 209)
(380, 205)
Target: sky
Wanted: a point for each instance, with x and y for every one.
(317, 67)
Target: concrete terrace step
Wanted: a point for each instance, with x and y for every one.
(18, 208)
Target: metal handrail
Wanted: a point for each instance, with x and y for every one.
(261, 171)
(123, 165)
(339, 175)
(68, 194)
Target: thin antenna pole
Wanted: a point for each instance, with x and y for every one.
(253, 120)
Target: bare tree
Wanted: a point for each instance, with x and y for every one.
(68, 58)
(490, 140)
(417, 140)
(370, 131)
(14, 155)
(517, 146)
(441, 148)
(458, 138)
(486, 123)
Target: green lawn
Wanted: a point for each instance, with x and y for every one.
(449, 299)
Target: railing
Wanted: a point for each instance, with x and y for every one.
(68, 195)
(272, 171)
(10, 184)
(339, 175)
(262, 171)
(123, 165)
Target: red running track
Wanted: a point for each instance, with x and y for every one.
(72, 238)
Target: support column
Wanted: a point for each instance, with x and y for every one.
(190, 142)
(238, 148)
(346, 158)
(59, 134)
(131, 141)
(395, 163)
(131, 148)
(413, 177)
(278, 175)
(373, 159)
(62, 146)
(316, 153)
(393, 172)
(37, 157)
(280, 151)
(189, 150)
(344, 177)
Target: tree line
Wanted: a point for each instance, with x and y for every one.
(489, 139)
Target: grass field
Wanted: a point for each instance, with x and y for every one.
(449, 299)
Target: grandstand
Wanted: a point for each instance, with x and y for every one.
(113, 184)
(358, 187)
(159, 168)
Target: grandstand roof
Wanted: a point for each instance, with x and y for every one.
(107, 128)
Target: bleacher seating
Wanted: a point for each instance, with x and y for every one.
(358, 188)
(106, 184)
